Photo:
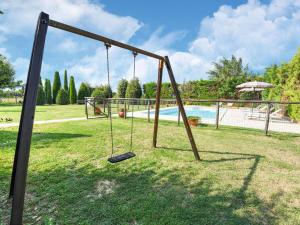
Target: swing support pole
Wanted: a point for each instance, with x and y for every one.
(22, 153)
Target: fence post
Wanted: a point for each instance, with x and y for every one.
(94, 106)
(125, 110)
(86, 109)
(148, 111)
(178, 119)
(217, 115)
(267, 119)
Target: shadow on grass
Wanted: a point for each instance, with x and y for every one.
(139, 193)
(9, 138)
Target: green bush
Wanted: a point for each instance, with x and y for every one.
(166, 90)
(134, 89)
(72, 91)
(122, 87)
(62, 97)
(150, 90)
(103, 91)
(84, 91)
(40, 95)
(56, 86)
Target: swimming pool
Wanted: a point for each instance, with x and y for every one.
(203, 112)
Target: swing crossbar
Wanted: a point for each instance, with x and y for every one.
(122, 157)
(98, 37)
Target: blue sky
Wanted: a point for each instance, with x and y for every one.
(193, 33)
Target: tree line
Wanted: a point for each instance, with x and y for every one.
(58, 93)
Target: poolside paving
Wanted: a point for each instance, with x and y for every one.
(234, 117)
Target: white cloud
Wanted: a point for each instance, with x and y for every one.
(260, 34)
(20, 16)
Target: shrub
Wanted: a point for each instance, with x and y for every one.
(40, 95)
(134, 89)
(62, 97)
(166, 90)
(149, 90)
(122, 86)
(56, 86)
(72, 91)
(84, 91)
(103, 91)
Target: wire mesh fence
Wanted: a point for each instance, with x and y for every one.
(267, 116)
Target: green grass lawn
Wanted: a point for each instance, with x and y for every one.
(243, 178)
(46, 112)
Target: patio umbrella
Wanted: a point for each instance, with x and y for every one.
(251, 89)
(253, 86)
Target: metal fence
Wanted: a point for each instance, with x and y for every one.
(260, 115)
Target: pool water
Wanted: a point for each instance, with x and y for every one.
(190, 111)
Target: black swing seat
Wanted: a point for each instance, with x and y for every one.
(122, 157)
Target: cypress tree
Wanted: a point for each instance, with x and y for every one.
(66, 81)
(41, 94)
(48, 92)
(62, 97)
(134, 89)
(122, 86)
(72, 91)
(56, 86)
(83, 92)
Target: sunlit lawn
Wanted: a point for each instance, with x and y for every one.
(45, 112)
(243, 178)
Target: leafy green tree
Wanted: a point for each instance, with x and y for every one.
(122, 86)
(56, 86)
(41, 94)
(166, 90)
(66, 81)
(48, 94)
(62, 97)
(227, 73)
(84, 91)
(103, 91)
(72, 91)
(7, 72)
(150, 90)
(291, 87)
(134, 89)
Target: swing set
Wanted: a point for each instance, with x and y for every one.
(22, 152)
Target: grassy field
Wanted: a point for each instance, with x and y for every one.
(243, 178)
(51, 112)
(45, 112)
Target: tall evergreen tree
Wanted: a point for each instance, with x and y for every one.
(122, 86)
(48, 94)
(66, 81)
(84, 91)
(72, 91)
(56, 86)
(41, 94)
(134, 89)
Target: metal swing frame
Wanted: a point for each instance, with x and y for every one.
(21, 158)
